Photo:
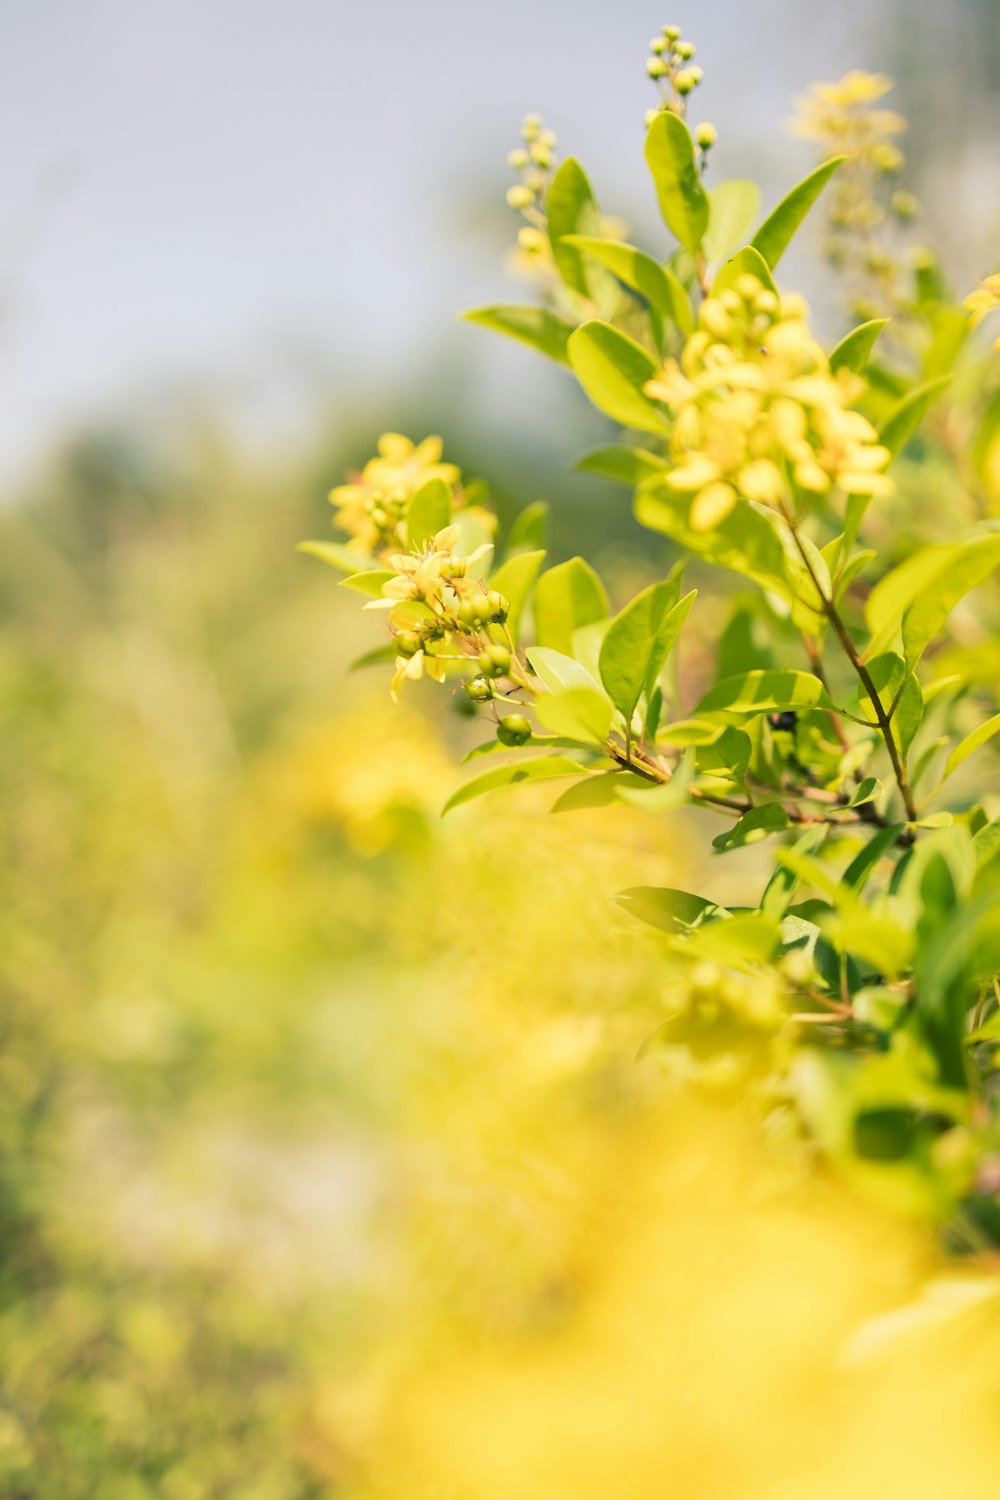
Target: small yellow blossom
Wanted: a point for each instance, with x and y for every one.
(757, 413)
(984, 300)
(372, 507)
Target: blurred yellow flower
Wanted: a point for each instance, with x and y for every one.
(984, 300)
(372, 507)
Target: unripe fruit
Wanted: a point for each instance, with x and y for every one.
(497, 606)
(472, 612)
(513, 729)
(479, 690)
(407, 642)
(494, 661)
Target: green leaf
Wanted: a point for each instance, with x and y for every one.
(733, 206)
(558, 671)
(336, 555)
(754, 825)
(672, 911)
(654, 797)
(727, 755)
(514, 579)
(598, 789)
(429, 513)
(783, 884)
(775, 234)
(612, 368)
(747, 541)
(529, 531)
(903, 421)
(963, 569)
(683, 200)
(541, 768)
(566, 598)
(690, 732)
(377, 657)
(370, 582)
(867, 790)
(972, 742)
(570, 207)
(854, 350)
(855, 877)
(895, 591)
(580, 713)
(895, 686)
(638, 641)
(658, 284)
(765, 691)
(628, 465)
(534, 326)
(747, 261)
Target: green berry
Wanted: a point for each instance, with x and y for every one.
(480, 690)
(494, 661)
(471, 612)
(498, 608)
(407, 643)
(513, 729)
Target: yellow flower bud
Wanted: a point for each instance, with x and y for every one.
(706, 135)
(520, 196)
(747, 286)
(656, 67)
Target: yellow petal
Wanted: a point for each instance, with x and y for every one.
(711, 506)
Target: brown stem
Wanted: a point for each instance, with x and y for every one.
(883, 719)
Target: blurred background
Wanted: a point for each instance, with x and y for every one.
(298, 1084)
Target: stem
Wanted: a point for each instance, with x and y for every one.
(850, 651)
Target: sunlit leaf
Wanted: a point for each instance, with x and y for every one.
(567, 597)
(670, 157)
(612, 368)
(540, 768)
(534, 326)
(775, 234)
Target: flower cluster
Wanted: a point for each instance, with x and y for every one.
(757, 413)
(445, 619)
(984, 300)
(842, 117)
(372, 507)
(670, 67)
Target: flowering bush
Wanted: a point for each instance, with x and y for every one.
(859, 992)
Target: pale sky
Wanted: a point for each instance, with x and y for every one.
(266, 195)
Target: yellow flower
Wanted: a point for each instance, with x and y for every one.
(984, 300)
(757, 413)
(372, 508)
